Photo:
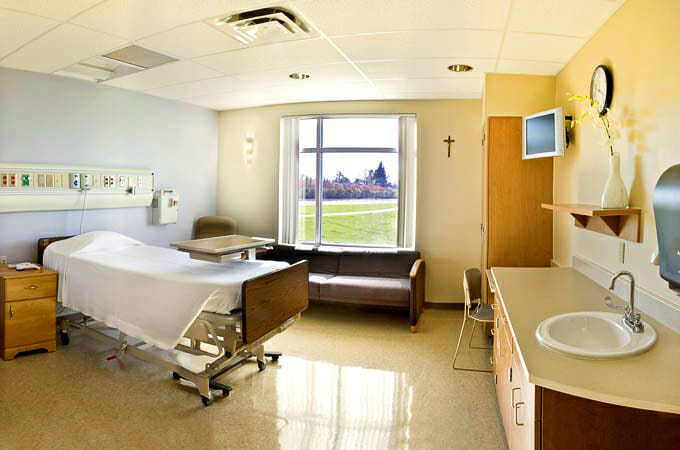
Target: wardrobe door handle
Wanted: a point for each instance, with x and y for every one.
(512, 396)
(516, 407)
(11, 312)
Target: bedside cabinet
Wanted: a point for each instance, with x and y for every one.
(28, 308)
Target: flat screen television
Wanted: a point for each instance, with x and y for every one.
(543, 134)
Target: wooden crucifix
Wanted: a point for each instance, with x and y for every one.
(449, 141)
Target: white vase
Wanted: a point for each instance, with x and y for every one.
(615, 194)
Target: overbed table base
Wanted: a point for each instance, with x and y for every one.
(206, 380)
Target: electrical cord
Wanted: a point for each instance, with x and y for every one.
(82, 212)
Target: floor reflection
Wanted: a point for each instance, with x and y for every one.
(328, 406)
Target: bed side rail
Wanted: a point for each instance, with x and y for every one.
(270, 300)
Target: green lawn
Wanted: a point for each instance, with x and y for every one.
(336, 208)
(374, 229)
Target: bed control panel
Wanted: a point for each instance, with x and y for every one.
(37, 187)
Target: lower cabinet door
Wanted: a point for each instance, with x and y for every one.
(30, 322)
(522, 405)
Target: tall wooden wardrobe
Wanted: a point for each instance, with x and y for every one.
(516, 231)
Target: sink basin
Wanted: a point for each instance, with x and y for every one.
(593, 334)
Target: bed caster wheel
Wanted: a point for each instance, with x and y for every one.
(176, 376)
(226, 392)
(275, 358)
(206, 401)
(261, 365)
(64, 337)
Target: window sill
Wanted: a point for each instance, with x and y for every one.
(350, 249)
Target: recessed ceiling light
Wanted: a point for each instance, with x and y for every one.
(299, 76)
(460, 68)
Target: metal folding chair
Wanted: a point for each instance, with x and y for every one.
(472, 285)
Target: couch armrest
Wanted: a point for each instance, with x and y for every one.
(417, 295)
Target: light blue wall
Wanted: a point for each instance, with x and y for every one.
(51, 119)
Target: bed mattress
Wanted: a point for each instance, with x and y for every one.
(148, 292)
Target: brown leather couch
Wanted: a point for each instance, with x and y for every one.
(385, 278)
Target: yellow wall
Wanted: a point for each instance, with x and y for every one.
(640, 43)
(449, 190)
(517, 95)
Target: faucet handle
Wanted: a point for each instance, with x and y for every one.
(608, 301)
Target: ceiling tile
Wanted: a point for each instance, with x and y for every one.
(165, 75)
(191, 41)
(573, 18)
(274, 56)
(261, 81)
(197, 88)
(65, 45)
(540, 47)
(16, 29)
(277, 95)
(55, 9)
(134, 19)
(421, 44)
(361, 16)
(425, 67)
(318, 74)
(528, 67)
(454, 86)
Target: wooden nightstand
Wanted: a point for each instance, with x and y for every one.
(28, 308)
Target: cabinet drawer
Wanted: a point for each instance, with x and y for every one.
(30, 322)
(27, 288)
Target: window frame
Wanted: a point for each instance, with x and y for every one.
(319, 150)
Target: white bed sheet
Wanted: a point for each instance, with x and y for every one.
(148, 292)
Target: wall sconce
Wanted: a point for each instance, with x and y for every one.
(249, 151)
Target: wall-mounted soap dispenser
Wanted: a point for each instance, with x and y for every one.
(667, 216)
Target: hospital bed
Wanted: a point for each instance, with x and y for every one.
(198, 319)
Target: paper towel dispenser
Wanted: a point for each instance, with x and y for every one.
(667, 216)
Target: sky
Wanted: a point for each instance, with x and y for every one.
(351, 132)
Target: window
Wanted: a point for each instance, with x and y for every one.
(342, 181)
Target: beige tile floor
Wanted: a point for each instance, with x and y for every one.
(349, 379)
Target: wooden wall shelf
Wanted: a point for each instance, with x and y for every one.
(622, 223)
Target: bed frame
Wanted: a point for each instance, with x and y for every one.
(270, 304)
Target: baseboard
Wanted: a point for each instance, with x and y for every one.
(644, 300)
(443, 305)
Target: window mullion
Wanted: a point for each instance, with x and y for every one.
(319, 182)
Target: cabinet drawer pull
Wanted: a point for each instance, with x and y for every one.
(517, 405)
(11, 312)
(32, 286)
(492, 331)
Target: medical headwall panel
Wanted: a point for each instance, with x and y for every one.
(42, 187)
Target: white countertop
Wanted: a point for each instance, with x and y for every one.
(529, 295)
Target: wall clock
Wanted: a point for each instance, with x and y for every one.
(602, 88)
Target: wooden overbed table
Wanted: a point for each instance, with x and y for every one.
(222, 248)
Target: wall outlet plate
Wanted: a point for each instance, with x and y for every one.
(3, 260)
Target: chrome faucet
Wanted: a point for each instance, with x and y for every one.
(630, 318)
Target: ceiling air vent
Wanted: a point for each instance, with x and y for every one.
(118, 63)
(264, 25)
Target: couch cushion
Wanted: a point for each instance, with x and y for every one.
(320, 261)
(316, 280)
(377, 263)
(366, 290)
